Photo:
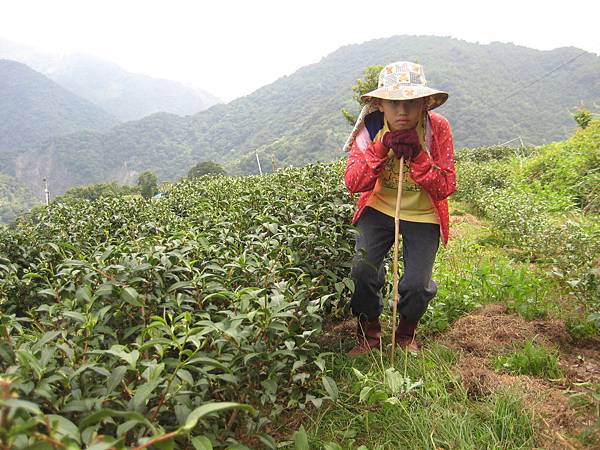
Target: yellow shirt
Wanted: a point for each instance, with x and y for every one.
(415, 204)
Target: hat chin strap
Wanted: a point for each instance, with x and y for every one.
(428, 134)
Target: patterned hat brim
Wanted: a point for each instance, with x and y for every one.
(437, 98)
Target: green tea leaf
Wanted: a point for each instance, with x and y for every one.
(47, 337)
(21, 404)
(331, 388)
(186, 376)
(126, 426)
(358, 374)
(64, 427)
(119, 350)
(131, 296)
(142, 394)
(364, 394)
(115, 379)
(103, 445)
(332, 446)
(301, 439)
(28, 360)
(104, 290)
(99, 416)
(211, 408)
(74, 315)
(180, 285)
(202, 443)
(167, 444)
(268, 441)
(84, 293)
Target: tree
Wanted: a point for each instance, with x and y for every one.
(148, 184)
(367, 84)
(583, 117)
(206, 168)
(95, 191)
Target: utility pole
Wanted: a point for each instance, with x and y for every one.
(258, 162)
(273, 162)
(46, 191)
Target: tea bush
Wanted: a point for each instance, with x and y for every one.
(571, 168)
(543, 203)
(122, 317)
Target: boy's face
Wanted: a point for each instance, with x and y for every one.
(401, 114)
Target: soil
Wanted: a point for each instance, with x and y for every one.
(337, 336)
(490, 332)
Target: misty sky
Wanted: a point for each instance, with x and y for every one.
(230, 48)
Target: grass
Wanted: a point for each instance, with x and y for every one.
(533, 359)
(437, 414)
(476, 269)
(581, 328)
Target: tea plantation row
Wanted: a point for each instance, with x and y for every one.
(121, 317)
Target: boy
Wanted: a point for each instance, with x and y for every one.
(397, 122)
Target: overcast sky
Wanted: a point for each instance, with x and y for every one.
(231, 48)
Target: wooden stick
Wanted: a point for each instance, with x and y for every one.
(396, 240)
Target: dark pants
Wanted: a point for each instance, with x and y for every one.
(420, 243)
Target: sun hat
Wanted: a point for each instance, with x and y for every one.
(402, 80)
(405, 80)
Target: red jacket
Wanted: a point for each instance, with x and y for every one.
(435, 172)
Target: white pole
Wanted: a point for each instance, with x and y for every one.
(46, 191)
(258, 162)
(512, 140)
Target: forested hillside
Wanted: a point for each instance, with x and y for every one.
(34, 108)
(497, 92)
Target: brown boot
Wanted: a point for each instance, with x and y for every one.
(368, 333)
(405, 335)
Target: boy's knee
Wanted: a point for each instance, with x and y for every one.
(419, 289)
(417, 286)
(415, 298)
(362, 270)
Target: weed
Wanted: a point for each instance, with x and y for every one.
(582, 328)
(532, 359)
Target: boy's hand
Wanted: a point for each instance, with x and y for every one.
(404, 143)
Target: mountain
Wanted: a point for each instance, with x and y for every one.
(33, 108)
(497, 92)
(125, 95)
